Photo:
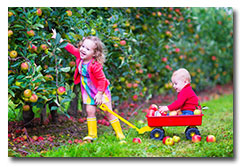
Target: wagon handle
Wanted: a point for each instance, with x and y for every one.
(104, 107)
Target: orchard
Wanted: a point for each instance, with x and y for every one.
(143, 48)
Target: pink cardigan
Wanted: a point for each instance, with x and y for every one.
(95, 70)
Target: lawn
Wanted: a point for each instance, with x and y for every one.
(217, 120)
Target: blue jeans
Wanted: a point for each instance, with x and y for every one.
(187, 112)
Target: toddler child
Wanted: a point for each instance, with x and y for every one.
(187, 100)
(94, 84)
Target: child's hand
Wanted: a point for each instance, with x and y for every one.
(163, 109)
(54, 34)
(98, 98)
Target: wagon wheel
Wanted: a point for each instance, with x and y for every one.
(191, 132)
(157, 134)
(190, 127)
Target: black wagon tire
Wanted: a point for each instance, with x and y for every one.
(191, 131)
(157, 134)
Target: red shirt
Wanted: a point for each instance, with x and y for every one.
(95, 70)
(186, 100)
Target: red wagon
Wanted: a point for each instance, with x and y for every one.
(157, 122)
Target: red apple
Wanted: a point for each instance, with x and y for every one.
(69, 13)
(31, 33)
(24, 66)
(123, 42)
(135, 97)
(43, 46)
(196, 138)
(164, 139)
(136, 140)
(211, 138)
(38, 12)
(81, 120)
(10, 33)
(26, 108)
(33, 98)
(169, 141)
(61, 90)
(153, 107)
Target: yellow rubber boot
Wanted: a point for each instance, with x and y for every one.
(92, 128)
(117, 128)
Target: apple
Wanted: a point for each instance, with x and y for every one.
(123, 42)
(197, 112)
(164, 139)
(24, 66)
(169, 141)
(164, 59)
(26, 107)
(115, 26)
(153, 107)
(43, 47)
(31, 33)
(13, 54)
(150, 113)
(136, 140)
(35, 138)
(10, 33)
(33, 98)
(173, 113)
(38, 12)
(176, 139)
(69, 13)
(93, 31)
(81, 120)
(27, 93)
(211, 138)
(61, 90)
(177, 50)
(10, 14)
(72, 63)
(196, 138)
(135, 97)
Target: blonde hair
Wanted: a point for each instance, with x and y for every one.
(183, 74)
(99, 50)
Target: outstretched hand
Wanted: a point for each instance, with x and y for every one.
(54, 34)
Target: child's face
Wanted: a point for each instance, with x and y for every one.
(87, 50)
(178, 83)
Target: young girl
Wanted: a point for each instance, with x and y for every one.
(94, 85)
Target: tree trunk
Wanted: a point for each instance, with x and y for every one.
(28, 116)
(73, 108)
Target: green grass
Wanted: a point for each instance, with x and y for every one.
(218, 121)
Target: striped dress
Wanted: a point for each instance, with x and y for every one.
(88, 90)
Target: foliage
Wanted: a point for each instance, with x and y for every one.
(158, 41)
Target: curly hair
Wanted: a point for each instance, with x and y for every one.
(99, 50)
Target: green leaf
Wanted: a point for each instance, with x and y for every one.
(63, 44)
(65, 69)
(39, 68)
(58, 38)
